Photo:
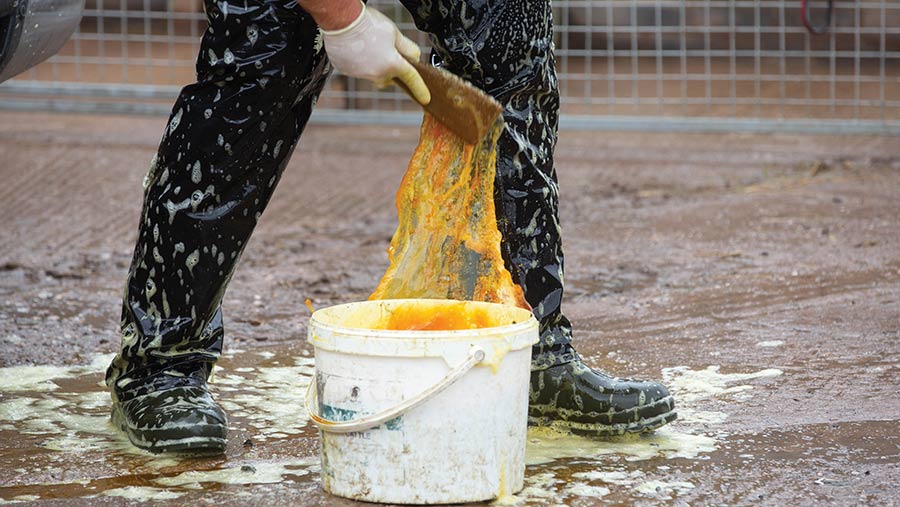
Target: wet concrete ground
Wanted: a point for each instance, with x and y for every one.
(759, 276)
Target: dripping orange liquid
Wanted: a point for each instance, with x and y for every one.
(447, 244)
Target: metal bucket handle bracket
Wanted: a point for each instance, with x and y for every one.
(476, 355)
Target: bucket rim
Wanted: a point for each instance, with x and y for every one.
(455, 335)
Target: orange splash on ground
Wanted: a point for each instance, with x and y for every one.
(447, 245)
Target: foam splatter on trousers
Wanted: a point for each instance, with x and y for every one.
(260, 71)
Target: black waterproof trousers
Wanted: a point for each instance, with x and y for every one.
(259, 73)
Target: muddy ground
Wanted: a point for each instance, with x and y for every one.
(759, 275)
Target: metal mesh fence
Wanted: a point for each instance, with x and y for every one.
(713, 64)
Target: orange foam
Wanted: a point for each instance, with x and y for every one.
(452, 316)
(447, 245)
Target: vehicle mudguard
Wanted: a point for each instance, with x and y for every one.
(33, 30)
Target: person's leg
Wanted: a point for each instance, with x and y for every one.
(506, 49)
(259, 73)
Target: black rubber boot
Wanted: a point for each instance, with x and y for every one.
(171, 412)
(259, 73)
(576, 398)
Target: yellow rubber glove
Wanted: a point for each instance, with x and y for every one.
(372, 47)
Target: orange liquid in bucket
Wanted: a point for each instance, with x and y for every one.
(450, 316)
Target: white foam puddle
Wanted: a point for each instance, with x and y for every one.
(579, 489)
(172, 487)
(692, 385)
(704, 418)
(546, 445)
(75, 427)
(770, 343)
(271, 399)
(73, 437)
(40, 378)
(142, 493)
(258, 473)
(618, 477)
(690, 438)
(663, 489)
(20, 499)
(72, 430)
(540, 489)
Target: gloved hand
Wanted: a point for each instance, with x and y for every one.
(372, 47)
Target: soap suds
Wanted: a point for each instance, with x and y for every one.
(73, 425)
(663, 489)
(272, 401)
(257, 473)
(40, 377)
(142, 493)
(70, 429)
(546, 445)
(688, 438)
(618, 477)
(692, 385)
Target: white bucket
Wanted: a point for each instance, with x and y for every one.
(421, 417)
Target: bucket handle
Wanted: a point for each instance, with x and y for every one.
(476, 355)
